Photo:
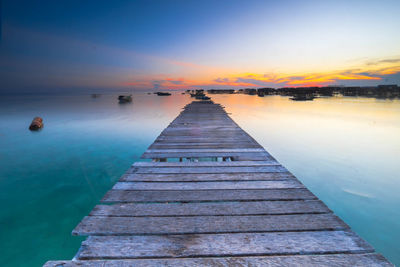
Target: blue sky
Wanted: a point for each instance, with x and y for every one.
(57, 45)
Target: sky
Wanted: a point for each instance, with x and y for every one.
(158, 45)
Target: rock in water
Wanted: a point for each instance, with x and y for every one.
(36, 124)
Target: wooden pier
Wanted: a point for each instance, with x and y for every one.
(212, 196)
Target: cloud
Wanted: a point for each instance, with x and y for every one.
(351, 76)
(297, 78)
(383, 61)
(395, 60)
(221, 80)
(175, 81)
(391, 78)
(161, 83)
(307, 79)
(157, 84)
(255, 82)
(382, 71)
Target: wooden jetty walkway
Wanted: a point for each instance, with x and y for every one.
(212, 196)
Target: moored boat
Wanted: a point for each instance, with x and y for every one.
(162, 93)
(125, 99)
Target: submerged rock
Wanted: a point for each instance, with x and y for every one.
(36, 124)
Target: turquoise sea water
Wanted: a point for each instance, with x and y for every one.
(345, 150)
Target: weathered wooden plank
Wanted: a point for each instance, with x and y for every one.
(204, 139)
(205, 177)
(206, 195)
(207, 129)
(196, 131)
(167, 142)
(334, 260)
(201, 146)
(201, 124)
(220, 121)
(204, 127)
(237, 156)
(206, 150)
(277, 184)
(209, 245)
(207, 164)
(228, 169)
(220, 208)
(210, 135)
(104, 225)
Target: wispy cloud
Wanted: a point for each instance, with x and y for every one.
(179, 81)
(362, 74)
(348, 76)
(383, 61)
(221, 80)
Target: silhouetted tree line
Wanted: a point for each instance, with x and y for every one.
(299, 93)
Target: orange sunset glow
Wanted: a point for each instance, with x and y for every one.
(365, 73)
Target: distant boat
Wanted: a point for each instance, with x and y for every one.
(203, 97)
(303, 97)
(197, 94)
(125, 99)
(162, 93)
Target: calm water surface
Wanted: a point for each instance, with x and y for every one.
(345, 150)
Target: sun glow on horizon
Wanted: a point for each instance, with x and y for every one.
(368, 72)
